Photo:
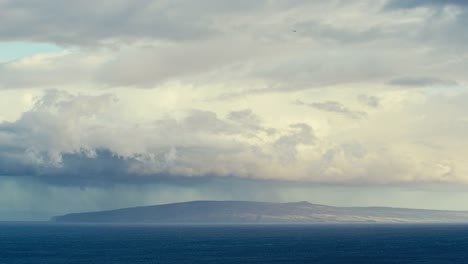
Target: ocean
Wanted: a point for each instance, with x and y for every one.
(35, 243)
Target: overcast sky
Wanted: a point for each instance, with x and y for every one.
(106, 104)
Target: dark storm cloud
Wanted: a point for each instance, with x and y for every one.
(76, 168)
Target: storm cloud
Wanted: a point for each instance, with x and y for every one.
(196, 97)
(86, 140)
(68, 138)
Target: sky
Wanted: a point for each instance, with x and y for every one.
(110, 104)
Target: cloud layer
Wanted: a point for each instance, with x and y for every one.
(296, 46)
(86, 139)
(181, 93)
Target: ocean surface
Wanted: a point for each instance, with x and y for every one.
(35, 243)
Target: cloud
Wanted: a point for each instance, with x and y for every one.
(334, 107)
(286, 145)
(46, 70)
(221, 44)
(124, 21)
(165, 62)
(421, 82)
(75, 23)
(393, 4)
(317, 30)
(368, 100)
(86, 140)
(68, 138)
(137, 66)
(249, 120)
(442, 24)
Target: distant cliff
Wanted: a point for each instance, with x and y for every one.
(235, 212)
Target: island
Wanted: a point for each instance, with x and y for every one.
(247, 212)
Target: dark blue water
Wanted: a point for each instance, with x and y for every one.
(39, 243)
